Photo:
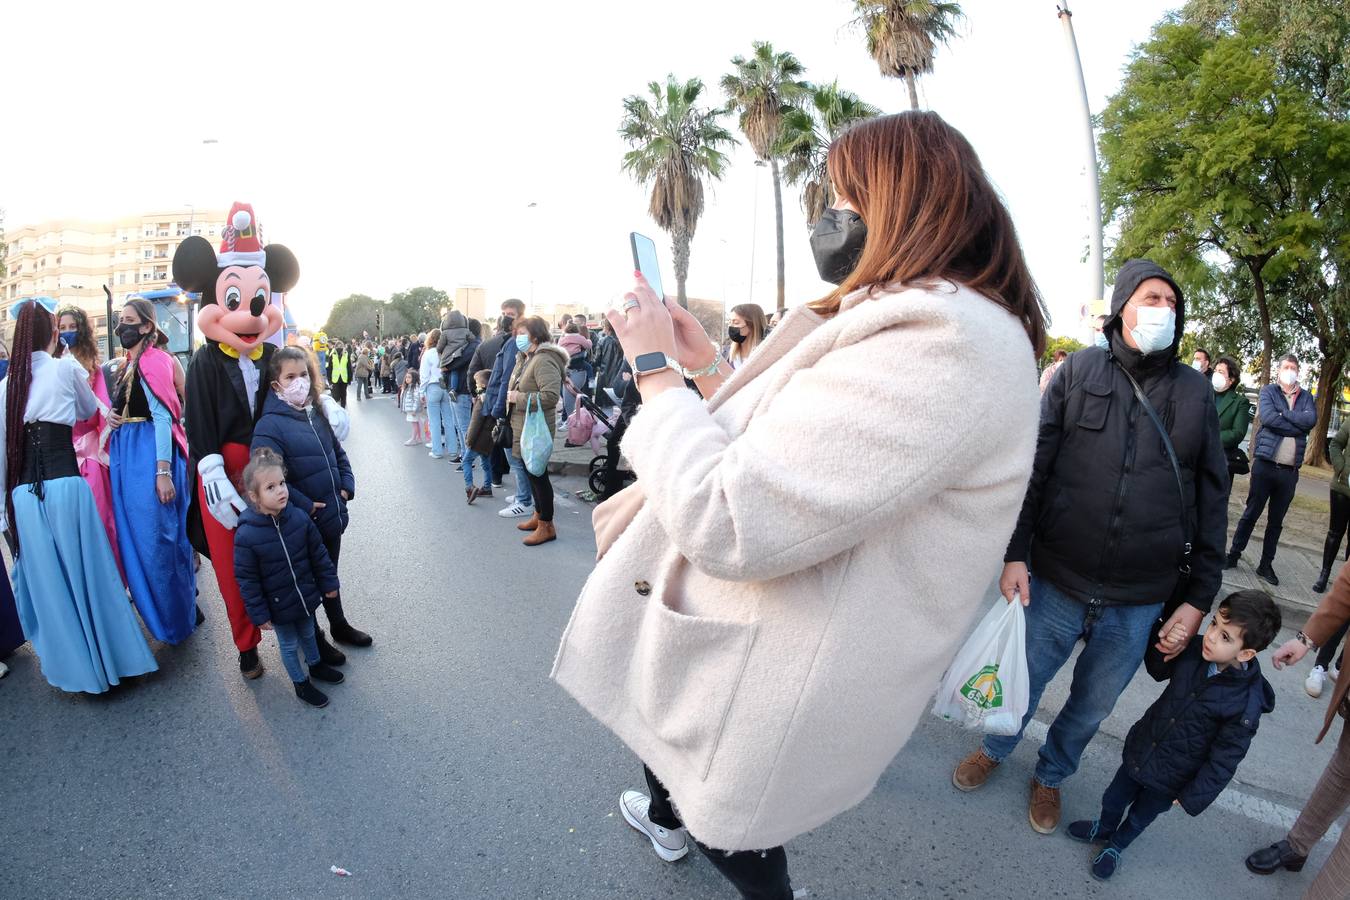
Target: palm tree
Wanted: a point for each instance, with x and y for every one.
(902, 35)
(805, 142)
(675, 144)
(763, 89)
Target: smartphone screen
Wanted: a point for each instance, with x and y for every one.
(644, 260)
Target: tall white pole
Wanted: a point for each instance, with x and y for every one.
(1097, 288)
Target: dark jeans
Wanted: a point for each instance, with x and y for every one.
(542, 489)
(332, 606)
(757, 874)
(499, 465)
(1273, 484)
(339, 390)
(1144, 805)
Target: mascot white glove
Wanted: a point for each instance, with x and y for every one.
(337, 417)
(222, 499)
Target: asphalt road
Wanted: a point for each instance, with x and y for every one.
(449, 766)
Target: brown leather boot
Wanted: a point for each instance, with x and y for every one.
(1043, 811)
(542, 535)
(973, 771)
(530, 524)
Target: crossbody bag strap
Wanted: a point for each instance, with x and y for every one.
(1176, 467)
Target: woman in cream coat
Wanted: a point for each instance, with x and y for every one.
(767, 629)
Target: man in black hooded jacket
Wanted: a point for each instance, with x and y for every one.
(1101, 527)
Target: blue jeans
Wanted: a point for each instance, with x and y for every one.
(1144, 805)
(461, 411)
(1115, 639)
(438, 415)
(523, 495)
(470, 457)
(294, 637)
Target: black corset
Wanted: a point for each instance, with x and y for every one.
(49, 453)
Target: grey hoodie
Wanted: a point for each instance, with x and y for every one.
(454, 338)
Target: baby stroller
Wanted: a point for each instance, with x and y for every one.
(607, 478)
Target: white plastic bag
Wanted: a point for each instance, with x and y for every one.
(987, 687)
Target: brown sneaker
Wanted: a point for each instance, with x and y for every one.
(1043, 812)
(973, 771)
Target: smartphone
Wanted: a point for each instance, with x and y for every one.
(644, 260)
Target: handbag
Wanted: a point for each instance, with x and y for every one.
(1238, 464)
(502, 436)
(1184, 568)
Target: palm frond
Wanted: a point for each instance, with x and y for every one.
(902, 35)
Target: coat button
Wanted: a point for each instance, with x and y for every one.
(643, 588)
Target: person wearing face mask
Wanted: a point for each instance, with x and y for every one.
(1099, 339)
(1100, 550)
(1286, 414)
(536, 383)
(1048, 375)
(746, 329)
(91, 435)
(1200, 362)
(339, 372)
(318, 474)
(519, 503)
(1235, 414)
(740, 635)
(149, 480)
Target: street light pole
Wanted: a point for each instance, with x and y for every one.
(1095, 260)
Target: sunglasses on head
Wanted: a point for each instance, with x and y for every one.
(47, 303)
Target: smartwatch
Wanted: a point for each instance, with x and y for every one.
(650, 363)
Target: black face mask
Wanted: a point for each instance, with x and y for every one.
(735, 334)
(129, 335)
(837, 242)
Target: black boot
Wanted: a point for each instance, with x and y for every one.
(1267, 573)
(249, 664)
(201, 617)
(310, 694)
(1231, 561)
(326, 674)
(328, 654)
(1321, 584)
(1329, 549)
(343, 632)
(1275, 857)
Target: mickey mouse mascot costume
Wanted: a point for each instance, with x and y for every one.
(226, 384)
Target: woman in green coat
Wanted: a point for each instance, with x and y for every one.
(1235, 410)
(536, 382)
(1340, 503)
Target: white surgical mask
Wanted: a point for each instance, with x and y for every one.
(1154, 328)
(1220, 383)
(1099, 339)
(1288, 377)
(1197, 365)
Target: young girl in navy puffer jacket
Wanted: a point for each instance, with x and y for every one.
(282, 569)
(317, 471)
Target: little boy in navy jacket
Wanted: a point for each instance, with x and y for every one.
(1188, 744)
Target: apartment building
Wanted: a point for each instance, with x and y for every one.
(72, 260)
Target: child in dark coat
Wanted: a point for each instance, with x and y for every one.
(1188, 744)
(478, 439)
(283, 571)
(318, 473)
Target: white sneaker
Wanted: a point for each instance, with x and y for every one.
(434, 455)
(516, 511)
(1316, 679)
(427, 445)
(411, 442)
(1333, 673)
(669, 845)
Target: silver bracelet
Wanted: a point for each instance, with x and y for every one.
(1305, 641)
(710, 369)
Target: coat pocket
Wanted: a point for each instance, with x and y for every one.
(1096, 405)
(685, 674)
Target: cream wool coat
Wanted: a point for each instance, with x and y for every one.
(814, 546)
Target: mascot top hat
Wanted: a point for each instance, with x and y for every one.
(236, 285)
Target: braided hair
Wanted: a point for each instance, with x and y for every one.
(33, 332)
(154, 338)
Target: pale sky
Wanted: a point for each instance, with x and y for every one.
(395, 144)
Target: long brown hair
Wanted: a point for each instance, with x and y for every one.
(753, 314)
(32, 333)
(85, 350)
(931, 214)
(145, 310)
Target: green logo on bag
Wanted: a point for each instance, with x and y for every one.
(984, 689)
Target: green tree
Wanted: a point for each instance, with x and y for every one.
(1053, 344)
(350, 316)
(805, 144)
(420, 307)
(762, 90)
(902, 36)
(676, 144)
(1224, 158)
